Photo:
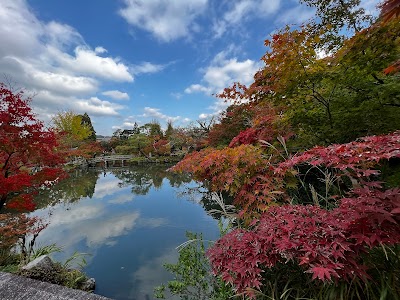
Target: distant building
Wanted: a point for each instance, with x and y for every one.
(125, 134)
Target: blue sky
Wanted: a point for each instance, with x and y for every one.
(126, 61)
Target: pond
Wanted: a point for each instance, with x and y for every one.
(129, 220)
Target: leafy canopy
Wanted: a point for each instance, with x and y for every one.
(28, 152)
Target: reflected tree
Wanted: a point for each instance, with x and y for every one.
(143, 177)
(217, 205)
(79, 184)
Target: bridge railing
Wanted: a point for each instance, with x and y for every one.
(110, 158)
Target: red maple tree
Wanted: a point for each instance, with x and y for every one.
(326, 243)
(28, 156)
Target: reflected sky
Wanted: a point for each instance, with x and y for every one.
(128, 235)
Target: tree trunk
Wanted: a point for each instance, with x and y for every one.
(3, 200)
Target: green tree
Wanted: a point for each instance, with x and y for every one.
(140, 142)
(136, 129)
(71, 125)
(336, 18)
(170, 130)
(85, 121)
(152, 129)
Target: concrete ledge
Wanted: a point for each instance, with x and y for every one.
(13, 287)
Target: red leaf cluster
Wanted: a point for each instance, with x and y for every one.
(15, 226)
(162, 147)
(242, 171)
(390, 9)
(28, 154)
(358, 156)
(245, 137)
(326, 243)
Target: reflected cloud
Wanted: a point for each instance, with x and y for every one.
(152, 274)
(74, 214)
(102, 226)
(121, 199)
(105, 187)
(153, 222)
(92, 224)
(100, 232)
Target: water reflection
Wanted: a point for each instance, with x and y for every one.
(79, 184)
(129, 220)
(142, 178)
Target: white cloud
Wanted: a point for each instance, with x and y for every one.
(148, 115)
(297, 15)
(19, 28)
(155, 113)
(242, 10)
(147, 67)
(48, 103)
(100, 50)
(89, 62)
(166, 20)
(223, 72)
(52, 61)
(370, 6)
(117, 95)
(204, 116)
(60, 35)
(129, 123)
(61, 83)
(177, 95)
(194, 88)
(97, 107)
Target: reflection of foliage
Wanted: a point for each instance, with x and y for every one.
(79, 184)
(217, 205)
(193, 277)
(142, 177)
(15, 228)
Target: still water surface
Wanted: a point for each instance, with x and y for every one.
(129, 220)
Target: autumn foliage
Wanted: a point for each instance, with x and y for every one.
(357, 157)
(390, 9)
(325, 211)
(241, 171)
(14, 229)
(28, 154)
(326, 243)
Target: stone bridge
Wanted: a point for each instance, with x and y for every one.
(109, 160)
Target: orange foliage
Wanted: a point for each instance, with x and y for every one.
(390, 9)
(242, 171)
(14, 227)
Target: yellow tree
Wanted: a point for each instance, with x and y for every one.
(71, 127)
